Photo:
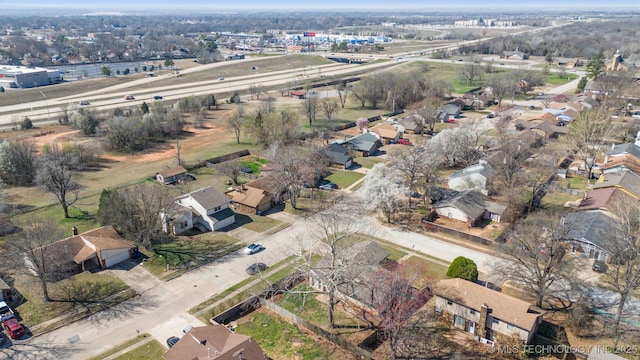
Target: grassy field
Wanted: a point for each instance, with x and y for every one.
(367, 162)
(555, 79)
(74, 293)
(257, 223)
(152, 350)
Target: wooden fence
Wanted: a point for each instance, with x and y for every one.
(429, 226)
(216, 160)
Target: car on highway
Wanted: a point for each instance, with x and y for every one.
(172, 341)
(12, 326)
(129, 97)
(256, 268)
(157, 97)
(253, 248)
(328, 186)
(83, 102)
(220, 78)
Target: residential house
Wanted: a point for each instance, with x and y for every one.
(255, 197)
(469, 206)
(627, 162)
(567, 62)
(412, 124)
(604, 199)
(544, 126)
(365, 144)
(215, 342)
(172, 175)
(514, 55)
(626, 181)
(448, 111)
(624, 149)
(206, 209)
(488, 314)
(387, 133)
(337, 156)
(357, 262)
(477, 177)
(590, 233)
(102, 247)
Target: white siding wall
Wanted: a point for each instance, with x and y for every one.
(114, 256)
(226, 222)
(455, 213)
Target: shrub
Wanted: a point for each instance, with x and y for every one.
(463, 268)
(26, 124)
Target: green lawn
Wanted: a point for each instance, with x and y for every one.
(120, 347)
(257, 223)
(344, 178)
(395, 254)
(557, 200)
(555, 79)
(189, 251)
(76, 293)
(152, 350)
(432, 270)
(367, 162)
(282, 340)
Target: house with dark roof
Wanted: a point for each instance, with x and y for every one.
(626, 181)
(206, 209)
(337, 155)
(476, 177)
(215, 342)
(590, 232)
(358, 261)
(102, 247)
(514, 55)
(469, 206)
(448, 111)
(604, 199)
(172, 175)
(488, 314)
(366, 144)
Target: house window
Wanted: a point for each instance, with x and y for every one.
(472, 312)
(438, 311)
(449, 302)
(496, 322)
(217, 208)
(510, 327)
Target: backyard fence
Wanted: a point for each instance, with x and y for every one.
(429, 226)
(216, 160)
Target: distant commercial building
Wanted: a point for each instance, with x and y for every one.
(26, 77)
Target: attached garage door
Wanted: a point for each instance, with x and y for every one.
(113, 257)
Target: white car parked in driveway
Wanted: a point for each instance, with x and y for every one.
(253, 248)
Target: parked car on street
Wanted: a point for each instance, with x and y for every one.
(404, 141)
(187, 329)
(172, 341)
(256, 268)
(253, 248)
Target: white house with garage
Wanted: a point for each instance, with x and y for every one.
(206, 209)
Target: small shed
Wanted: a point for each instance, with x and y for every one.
(172, 175)
(300, 94)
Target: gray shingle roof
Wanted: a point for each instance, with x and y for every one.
(590, 225)
(209, 197)
(482, 168)
(470, 202)
(628, 148)
(627, 180)
(337, 153)
(363, 142)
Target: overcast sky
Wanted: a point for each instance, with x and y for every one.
(363, 5)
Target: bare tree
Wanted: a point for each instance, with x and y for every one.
(290, 170)
(470, 73)
(587, 133)
(136, 212)
(56, 174)
(310, 107)
(501, 87)
(343, 92)
(429, 113)
(538, 255)
(236, 122)
(331, 232)
(34, 255)
(18, 162)
(329, 106)
(396, 299)
(413, 163)
(623, 243)
(229, 168)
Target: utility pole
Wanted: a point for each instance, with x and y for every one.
(46, 102)
(178, 146)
